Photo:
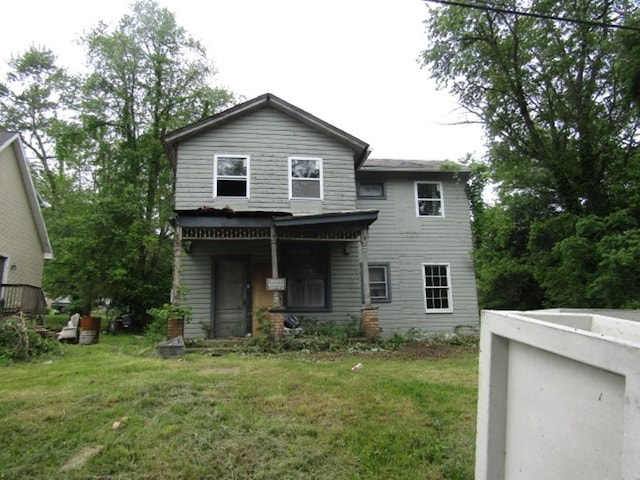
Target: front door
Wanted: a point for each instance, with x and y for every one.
(231, 294)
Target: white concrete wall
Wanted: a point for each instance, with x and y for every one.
(559, 397)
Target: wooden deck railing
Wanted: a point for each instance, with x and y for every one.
(19, 298)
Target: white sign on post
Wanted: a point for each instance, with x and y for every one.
(276, 284)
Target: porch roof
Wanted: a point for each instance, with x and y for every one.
(227, 224)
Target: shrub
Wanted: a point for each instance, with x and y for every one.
(18, 343)
(157, 328)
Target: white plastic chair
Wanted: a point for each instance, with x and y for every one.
(70, 332)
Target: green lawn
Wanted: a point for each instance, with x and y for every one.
(291, 416)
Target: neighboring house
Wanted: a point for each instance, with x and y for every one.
(24, 243)
(277, 208)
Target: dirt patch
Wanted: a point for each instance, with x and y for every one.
(220, 371)
(419, 351)
(414, 351)
(81, 458)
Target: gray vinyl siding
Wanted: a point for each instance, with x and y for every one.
(269, 137)
(406, 241)
(197, 270)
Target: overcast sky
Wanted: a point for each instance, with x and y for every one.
(353, 63)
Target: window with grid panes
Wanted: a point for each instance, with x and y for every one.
(437, 288)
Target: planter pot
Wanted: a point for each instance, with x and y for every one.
(559, 396)
(89, 330)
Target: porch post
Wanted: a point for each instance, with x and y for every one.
(175, 326)
(364, 260)
(369, 314)
(177, 263)
(274, 265)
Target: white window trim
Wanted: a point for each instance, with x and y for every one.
(215, 172)
(415, 199)
(449, 288)
(291, 197)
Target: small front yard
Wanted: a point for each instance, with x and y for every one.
(115, 411)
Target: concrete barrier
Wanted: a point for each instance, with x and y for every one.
(559, 397)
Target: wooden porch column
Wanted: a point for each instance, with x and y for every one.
(364, 260)
(177, 264)
(175, 326)
(274, 265)
(369, 314)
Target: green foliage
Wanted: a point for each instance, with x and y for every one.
(556, 99)
(19, 344)
(156, 329)
(103, 169)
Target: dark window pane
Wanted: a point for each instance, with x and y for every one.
(376, 274)
(305, 188)
(378, 291)
(370, 190)
(429, 190)
(307, 276)
(231, 188)
(429, 208)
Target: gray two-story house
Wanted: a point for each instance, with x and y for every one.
(278, 209)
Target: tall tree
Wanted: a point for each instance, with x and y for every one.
(32, 102)
(145, 77)
(550, 88)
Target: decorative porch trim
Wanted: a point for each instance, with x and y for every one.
(315, 234)
(226, 233)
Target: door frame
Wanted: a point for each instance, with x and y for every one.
(247, 287)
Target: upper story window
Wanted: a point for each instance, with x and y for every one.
(231, 176)
(372, 190)
(305, 178)
(429, 199)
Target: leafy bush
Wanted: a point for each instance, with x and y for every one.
(157, 328)
(19, 344)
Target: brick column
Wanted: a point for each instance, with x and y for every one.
(370, 321)
(276, 319)
(175, 327)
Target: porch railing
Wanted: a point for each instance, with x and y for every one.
(20, 298)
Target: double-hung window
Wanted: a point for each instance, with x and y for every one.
(305, 178)
(379, 286)
(437, 287)
(231, 176)
(429, 199)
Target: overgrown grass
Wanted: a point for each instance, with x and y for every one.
(290, 416)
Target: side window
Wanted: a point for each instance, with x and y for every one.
(373, 190)
(437, 287)
(305, 178)
(231, 176)
(429, 199)
(379, 282)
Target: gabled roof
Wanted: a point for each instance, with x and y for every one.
(12, 140)
(172, 139)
